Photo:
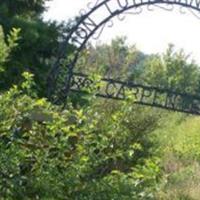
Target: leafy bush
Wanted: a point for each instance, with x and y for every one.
(47, 153)
(7, 47)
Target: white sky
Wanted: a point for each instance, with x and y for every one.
(151, 31)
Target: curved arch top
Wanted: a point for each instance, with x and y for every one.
(95, 18)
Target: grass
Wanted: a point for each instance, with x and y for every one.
(179, 142)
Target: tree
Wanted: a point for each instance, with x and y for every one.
(173, 71)
(27, 8)
(117, 60)
(7, 48)
(38, 41)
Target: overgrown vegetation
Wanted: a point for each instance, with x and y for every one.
(95, 149)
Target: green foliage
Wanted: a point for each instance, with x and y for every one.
(4, 48)
(117, 60)
(13, 37)
(51, 154)
(172, 71)
(178, 146)
(94, 149)
(174, 138)
(7, 45)
(37, 45)
(22, 7)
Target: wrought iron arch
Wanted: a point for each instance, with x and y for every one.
(88, 25)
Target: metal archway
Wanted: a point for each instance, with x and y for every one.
(62, 78)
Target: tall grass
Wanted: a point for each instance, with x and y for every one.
(178, 142)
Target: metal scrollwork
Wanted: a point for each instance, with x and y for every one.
(91, 25)
(97, 34)
(165, 7)
(197, 15)
(143, 95)
(91, 5)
